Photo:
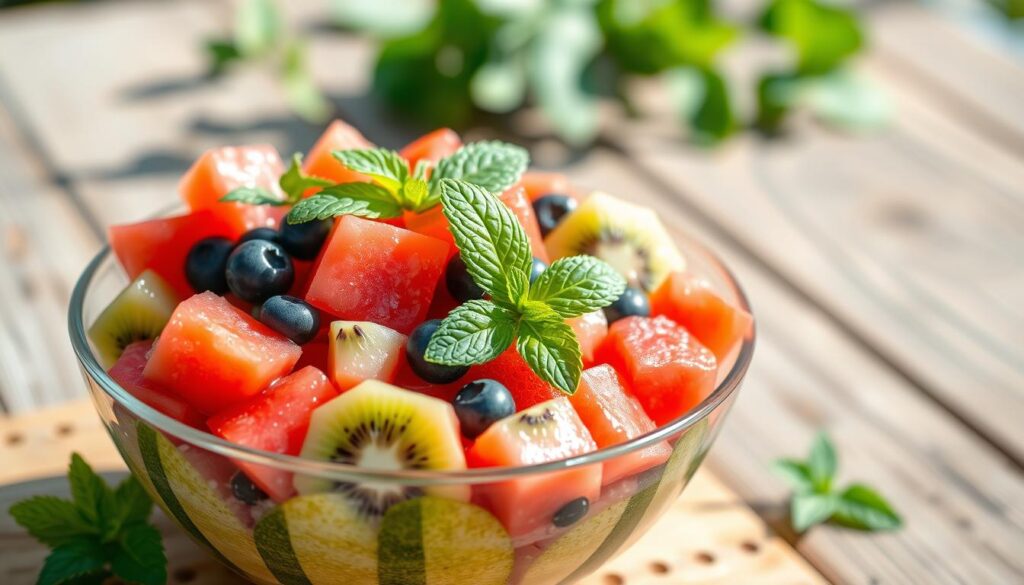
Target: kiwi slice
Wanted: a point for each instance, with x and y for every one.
(320, 539)
(138, 313)
(630, 238)
(437, 541)
(379, 426)
(361, 350)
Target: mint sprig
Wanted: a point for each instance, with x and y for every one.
(98, 534)
(493, 166)
(294, 183)
(497, 254)
(815, 499)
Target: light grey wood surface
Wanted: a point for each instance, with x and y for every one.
(886, 270)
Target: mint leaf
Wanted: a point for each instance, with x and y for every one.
(862, 508)
(253, 196)
(257, 27)
(359, 199)
(51, 520)
(474, 333)
(822, 463)
(92, 497)
(133, 502)
(807, 510)
(823, 35)
(796, 473)
(414, 193)
(488, 235)
(493, 166)
(549, 346)
(384, 166)
(294, 182)
(71, 561)
(140, 557)
(577, 285)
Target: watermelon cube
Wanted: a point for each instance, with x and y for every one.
(220, 170)
(690, 302)
(321, 163)
(590, 330)
(538, 184)
(161, 245)
(549, 431)
(371, 271)
(277, 421)
(214, 355)
(665, 367)
(614, 416)
(127, 372)
(431, 147)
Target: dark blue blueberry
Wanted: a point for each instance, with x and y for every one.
(258, 270)
(460, 283)
(537, 268)
(480, 404)
(206, 263)
(245, 490)
(263, 233)
(304, 240)
(550, 209)
(571, 513)
(416, 346)
(294, 318)
(632, 303)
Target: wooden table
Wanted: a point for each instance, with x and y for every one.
(886, 270)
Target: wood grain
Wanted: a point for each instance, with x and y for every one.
(710, 537)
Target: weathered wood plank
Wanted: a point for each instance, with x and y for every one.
(710, 522)
(808, 375)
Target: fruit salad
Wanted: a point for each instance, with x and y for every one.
(455, 338)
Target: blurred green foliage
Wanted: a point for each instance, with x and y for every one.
(446, 62)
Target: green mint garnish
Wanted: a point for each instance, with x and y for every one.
(497, 254)
(98, 534)
(294, 183)
(815, 499)
(493, 166)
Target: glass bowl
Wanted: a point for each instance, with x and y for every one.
(442, 532)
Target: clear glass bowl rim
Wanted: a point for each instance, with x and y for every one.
(348, 473)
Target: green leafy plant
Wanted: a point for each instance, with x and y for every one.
(101, 532)
(816, 498)
(497, 254)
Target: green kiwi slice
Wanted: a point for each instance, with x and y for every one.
(628, 237)
(138, 313)
(437, 541)
(379, 426)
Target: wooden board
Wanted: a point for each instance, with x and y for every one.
(710, 537)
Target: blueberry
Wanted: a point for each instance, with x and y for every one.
(632, 303)
(537, 268)
(550, 209)
(294, 318)
(416, 346)
(479, 404)
(245, 490)
(460, 283)
(571, 513)
(258, 270)
(304, 240)
(263, 233)
(205, 265)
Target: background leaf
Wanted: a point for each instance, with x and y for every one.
(822, 35)
(796, 473)
(860, 507)
(140, 557)
(257, 27)
(809, 509)
(847, 101)
(385, 18)
(301, 91)
(71, 561)
(51, 520)
(822, 463)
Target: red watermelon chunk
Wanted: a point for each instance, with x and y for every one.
(431, 147)
(511, 369)
(549, 431)
(665, 367)
(161, 245)
(277, 421)
(690, 302)
(539, 184)
(214, 355)
(613, 416)
(220, 170)
(590, 330)
(127, 372)
(371, 271)
(321, 163)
